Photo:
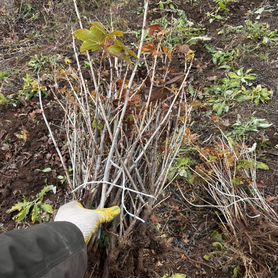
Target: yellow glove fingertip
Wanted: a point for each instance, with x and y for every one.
(108, 214)
(114, 211)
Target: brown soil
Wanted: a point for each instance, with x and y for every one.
(22, 162)
(175, 237)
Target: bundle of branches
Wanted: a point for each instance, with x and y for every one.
(124, 121)
(227, 182)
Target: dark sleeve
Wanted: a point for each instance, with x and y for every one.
(55, 250)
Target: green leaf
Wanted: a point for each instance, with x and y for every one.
(89, 46)
(245, 164)
(17, 207)
(44, 191)
(3, 99)
(233, 75)
(116, 50)
(218, 245)
(93, 35)
(262, 166)
(92, 39)
(84, 35)
(236, 271)
(207, 257)
(36, 214)
(3, 75)
(237, 181)
(117, 34)
(220, 108)
(47, 208)
(132, 54)
(249, 164)
(216, 236)
(176, 275)
(23, 213)
(98, 26)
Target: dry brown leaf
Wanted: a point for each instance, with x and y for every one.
(148, 47)
(167, 51)
(155, 29)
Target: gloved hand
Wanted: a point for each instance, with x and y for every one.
(87, 220)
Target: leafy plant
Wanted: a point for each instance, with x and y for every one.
(220, 13)
(251, 164)
(222, 58)
(22, 135)
(3, 75)
(214, 16)
(34, 208)
(3, 100)
(223, 5)
(241, 77)
(218, 244)
(229, 90)
(182, 167)
(241, 129)
(30, 88)
(38, 62)
(236, 87)
(167, 4)
(260, 95)
(98, 39)
(180, 30)
(229, 29)
(236, 271)
(27, 11)
(258, 31)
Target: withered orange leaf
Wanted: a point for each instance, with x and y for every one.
(167, 51)
(153, 29)
(120, 83)
(148, 47)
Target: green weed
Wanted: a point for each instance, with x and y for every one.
(35, 208)
(260, 32)
(181, 29)
(229, 29)
(253, 30)
(182, 166)
(251, 164)
(236, 87)
(27, 11)
(222, 58)
(30, 88)
(218, 245)
(223, 5)
(3, 100)
(242, 129)
(260, 94)
(222, 10)
(214, 16)
(236, 271)
(38, 62)
(167, 4)
(3, 75)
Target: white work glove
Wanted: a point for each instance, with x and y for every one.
(87, 220)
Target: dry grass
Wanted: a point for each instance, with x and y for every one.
(248, 222)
